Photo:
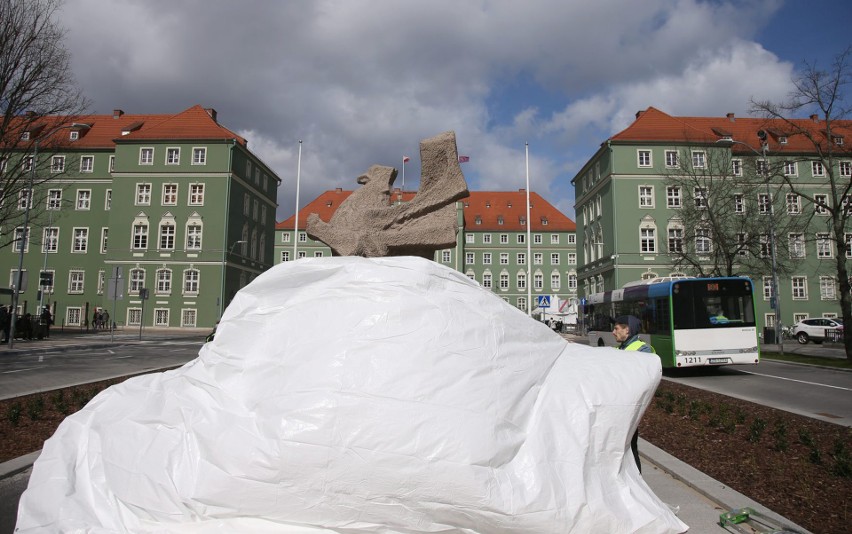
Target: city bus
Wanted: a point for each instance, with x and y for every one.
(689, 321)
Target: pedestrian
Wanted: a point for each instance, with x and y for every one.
(626, 332)
(5, 323)
(95, 320)
(46, 321)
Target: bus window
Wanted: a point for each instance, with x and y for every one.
(717, 304)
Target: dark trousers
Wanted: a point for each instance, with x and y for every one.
(634, 446)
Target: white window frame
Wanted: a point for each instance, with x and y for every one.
(827, 288)
(134, 316)
(737, 167)
(799, 287)
(170, 194)
(554, 258)
(675, 239)
(672, 159)
(817, 168)
(90, 167)
(646, 196)
(146, 155)
(189, 317)
(191, 281)
(554, 239)
(57, 164)
(821, 204)
(794, 204)
(108, 200)
(739, 204)
(161, 317)
(194, 239)
(135, 280)
(486, 239)
(76, 281)
(700, 196)
(845, 168)
(163, 281)
(486, 258)
(504, 258)
(199, 155)
(167, 235)
(791, 168)
(824, 248)
(172, 155)
(50, 240)
(143, 194)
(469, 238)
(139, 235)
(196, 194)
(104, 239)
(84, 200)
(644, 158)
(80, 240)
(699, 159)
(674, 197)
(796, 245)
(73, 316)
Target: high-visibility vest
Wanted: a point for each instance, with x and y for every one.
(638, 344)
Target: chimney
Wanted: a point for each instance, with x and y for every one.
(730, 117)
(815, 117)
(338, 189)
(639, 113)
(212, 113)
(116, 113)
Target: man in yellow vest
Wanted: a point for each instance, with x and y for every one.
(626, 332)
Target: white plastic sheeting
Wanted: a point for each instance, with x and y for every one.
(427, 405)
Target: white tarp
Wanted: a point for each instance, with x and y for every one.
(428, 405)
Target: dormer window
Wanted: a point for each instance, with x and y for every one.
(838, 140)
(522, 220)
(509, 204)
(478, 220)
(782, 140)
(544, 221)
(74, 135)
(328, 204)
(500, 219)
(487, 203)
(25, 136)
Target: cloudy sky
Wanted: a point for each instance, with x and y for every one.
(361, 82)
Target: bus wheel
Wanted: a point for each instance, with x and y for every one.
(600, 342)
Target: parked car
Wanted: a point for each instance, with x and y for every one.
(815, 329)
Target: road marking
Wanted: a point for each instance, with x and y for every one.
(794, 380)
(120, 357)
(41, 358)
(21, 370)
(111, 352)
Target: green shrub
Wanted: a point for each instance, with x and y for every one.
(842, 459)
(14, 414)
(756, 429)
(806, 438)
(779, 433)
(35, 408)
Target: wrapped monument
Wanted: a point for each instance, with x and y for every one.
(357, 395)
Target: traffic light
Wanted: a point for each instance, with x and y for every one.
(46, 279)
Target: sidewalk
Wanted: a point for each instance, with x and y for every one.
(699, 498)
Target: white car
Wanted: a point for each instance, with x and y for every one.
(815, 329)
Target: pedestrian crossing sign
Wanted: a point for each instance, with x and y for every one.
(544, 301)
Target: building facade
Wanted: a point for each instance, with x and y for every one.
(630, 211)
(175, 206)
(491, 245)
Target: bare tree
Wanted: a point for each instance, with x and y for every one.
(37, 94)
(828, 135)
(722, 226)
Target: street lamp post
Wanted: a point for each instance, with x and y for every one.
(24, 233)
(761, 134)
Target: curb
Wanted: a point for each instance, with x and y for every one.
(726, 497)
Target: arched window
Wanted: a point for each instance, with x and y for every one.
(164, 281)
(194, 232)
(191, 281)
(139, 239)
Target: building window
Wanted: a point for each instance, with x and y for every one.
(104, 239)
(188, 317)
(193, 236)
(486, 258)
(24, 196)
(554, 258)
(796, 244)
(140, 236)
(285, 256)
(672, 159)
(767, 288)
(821, 204)
(703, 245)
(164, 281)
(76, 281)
(504, 258)
(762, 167)
(846, 169)
(521, 258)
(161, 317)
(172, 156)
(27, 163)
(486, 280)
(794, 204)
(167, 236)
(50, 240)
(521, 280)
(303, 237)
(572, 282)
(554, 239)
(817, 168)
(112, 164)
(504, 281)
(737, 167)
(827, 288)
(143, 194)
(522, 239)
(285, 238)
(500, 220)
(445, 256)
(791, 168)
(486, 239)
(848, 239)
(800, 287)
(54, 199)
(700, 197)
(196, 194)
(101, 281)
(648, 240)
(57, 164)
(170, 194)
(84, 199)
(468, 238)
(763, 204)
(646, 196)
(644, 158)
(191, 278)
(537, 239)
(136, 281)
(739, 204)
(81, 240)
(146, 156)
(698, 159)
(572, 258)
(87, 163)
(468, 258)
(73, 315)
(108, 200)
(199, 156)
(824, 248)
(538, 281)
(538, 258)
(555, 281)
(675, 240)
(504, 239)
(674, 197)
(765, 246)
(522, 303)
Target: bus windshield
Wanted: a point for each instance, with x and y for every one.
(712, 304)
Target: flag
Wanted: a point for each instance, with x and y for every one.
(405, 159)
(464, 159)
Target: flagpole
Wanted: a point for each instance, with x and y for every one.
(403, 173)
(529, 241)
(296, 226)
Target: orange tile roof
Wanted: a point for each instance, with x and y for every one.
(653, 125)
(194, 123)
(490, 206)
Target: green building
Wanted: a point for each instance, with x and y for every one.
(491, 245)
(176, 205)
(631, 208)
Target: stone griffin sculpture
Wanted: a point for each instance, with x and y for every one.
(366, 224)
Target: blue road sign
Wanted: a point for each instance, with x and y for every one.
(544, 301)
